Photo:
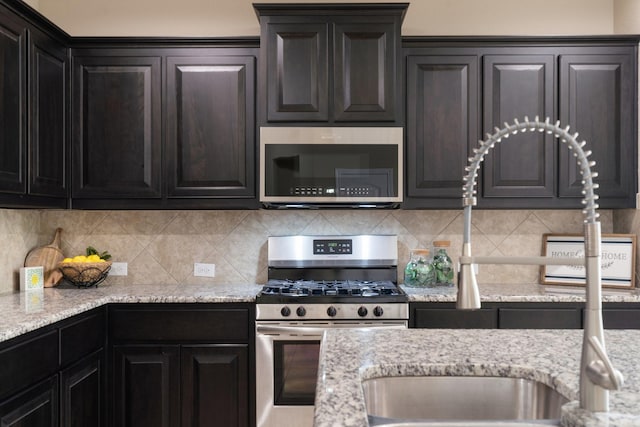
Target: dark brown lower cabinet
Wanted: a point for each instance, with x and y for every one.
(35, 407)
(82, 398)
(621, 316)
(540, 318)
(451, 318)
(146, 390)
(520, 315)
(161, 385)
(214, 385)
(182, 365)
(54, 376)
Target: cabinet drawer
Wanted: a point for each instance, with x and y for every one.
(82, 337)
(449, 318)
(28, 361)
(621, 318)
(552, 318)
(149, 324)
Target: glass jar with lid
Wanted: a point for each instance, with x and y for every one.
(442, 266)
(419, 272)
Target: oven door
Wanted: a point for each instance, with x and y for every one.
(287, 368)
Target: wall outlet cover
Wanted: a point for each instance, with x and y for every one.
(204, 270)
(118, 269)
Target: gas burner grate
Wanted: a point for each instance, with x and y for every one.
(345, 288)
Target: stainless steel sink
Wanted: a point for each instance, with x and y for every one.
(434, 401)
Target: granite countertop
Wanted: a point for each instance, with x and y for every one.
(24, 312)
(549, 356)
(521, 292)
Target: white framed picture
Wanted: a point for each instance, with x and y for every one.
(618, 259)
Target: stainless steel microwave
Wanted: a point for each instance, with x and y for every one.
(331, 166)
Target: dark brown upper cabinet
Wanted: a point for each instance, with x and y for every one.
(334, 63)
(211, 126)
(33, 141)
(48, 113)
(164, 125)
(597, 98)
(442, 123)
(459, 89)
(13, 43)
(116, 138)
(516, 86)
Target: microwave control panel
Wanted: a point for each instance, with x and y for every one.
(332, 192)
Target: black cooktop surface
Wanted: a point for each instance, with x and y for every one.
(334, 288)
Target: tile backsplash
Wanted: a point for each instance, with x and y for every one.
(161, 247)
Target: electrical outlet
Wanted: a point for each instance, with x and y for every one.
(204, 270)
(637, 200)
(118, 269)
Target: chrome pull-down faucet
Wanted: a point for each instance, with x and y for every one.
(597, 374)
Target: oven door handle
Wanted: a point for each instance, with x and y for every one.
(308, 330)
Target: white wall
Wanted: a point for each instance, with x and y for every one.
(626, 16)
(237, 17)
(33, 3)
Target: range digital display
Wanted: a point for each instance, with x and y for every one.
(333, 247)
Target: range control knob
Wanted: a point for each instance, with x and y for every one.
(331, 311)
(362, 311)
(285, 311)
(378, 311)
(301, 311)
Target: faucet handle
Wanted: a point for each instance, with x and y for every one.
(601, 372)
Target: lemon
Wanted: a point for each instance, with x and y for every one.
(93, 258)
(79, 258)
(67, 260)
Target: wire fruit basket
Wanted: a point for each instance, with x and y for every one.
(85, 274)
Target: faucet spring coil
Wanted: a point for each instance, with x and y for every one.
(562, 134)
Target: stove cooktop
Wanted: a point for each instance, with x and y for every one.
(330, 292)
(311, 288)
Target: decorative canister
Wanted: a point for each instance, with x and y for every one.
(418, 272)
(442, 267)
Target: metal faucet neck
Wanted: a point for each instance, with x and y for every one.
(597, 374)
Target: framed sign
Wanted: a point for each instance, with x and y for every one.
(618, 260)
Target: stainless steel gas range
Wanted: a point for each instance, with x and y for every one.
(317, 283)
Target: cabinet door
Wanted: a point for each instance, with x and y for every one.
(82, 393)
(442, 123)
(297, 71)
(48, 154)
(12, 105)
(146, 386)
(36, 407)
(215, 386)
(597, 99)
(210, 129)
(117, 135)
(365, 72)
(523, 165)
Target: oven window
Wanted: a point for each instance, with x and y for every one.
(295, 371)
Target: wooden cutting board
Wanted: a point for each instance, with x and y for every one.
(48, 257)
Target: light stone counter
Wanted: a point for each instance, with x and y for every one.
(552, 357)
(521, 292)
(24, 312)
